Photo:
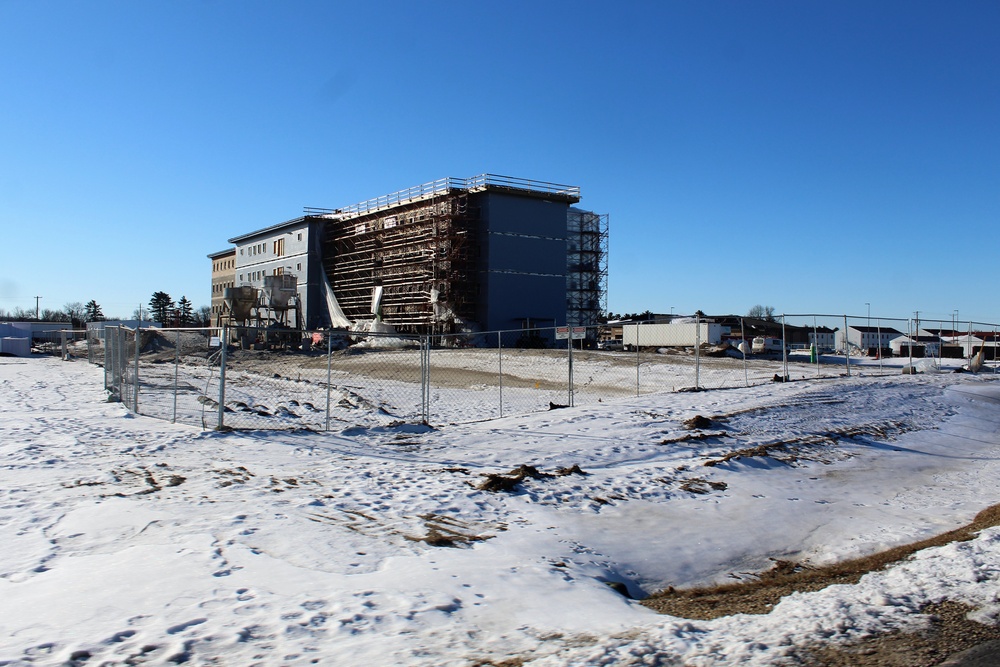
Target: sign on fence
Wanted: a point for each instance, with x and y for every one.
(579, 333)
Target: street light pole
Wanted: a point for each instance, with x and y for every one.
(868, 326)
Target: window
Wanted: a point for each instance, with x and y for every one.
(298, 267)
(300, 237)
(279, 247)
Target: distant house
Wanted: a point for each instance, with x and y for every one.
(927, 345)
(868, 339)
(824, 338)
(967, 345)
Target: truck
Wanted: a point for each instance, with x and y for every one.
(675, 334)
(765, 345)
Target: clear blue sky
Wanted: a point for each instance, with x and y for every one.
(810, 156)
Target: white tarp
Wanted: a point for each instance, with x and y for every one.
(337, 317)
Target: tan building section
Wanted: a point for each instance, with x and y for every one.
(223, 276)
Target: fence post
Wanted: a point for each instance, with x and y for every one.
(878, 330)
(743, 349)
(107, 360)
(62, 340)
(177, 363)
(137, 349)
(329, 361)
(847, 347)
(500, 367)
(697, 351)
(425, 378)
(784, 350)
(636, 359)
(223, 349)
(569, 378)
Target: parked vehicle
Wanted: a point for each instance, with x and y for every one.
(764, 345)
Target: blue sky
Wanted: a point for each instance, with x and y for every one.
(809, 156)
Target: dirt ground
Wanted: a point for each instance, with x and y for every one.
(947, 633)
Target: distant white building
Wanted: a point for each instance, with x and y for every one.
(972, 343)
(924, 344)
(823, 338)
(867, 338)
(48, 331)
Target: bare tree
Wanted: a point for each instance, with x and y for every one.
(76, 313)
(761, 312)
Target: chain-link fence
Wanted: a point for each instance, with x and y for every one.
(62, 343)
(258, 378)
(121, 366)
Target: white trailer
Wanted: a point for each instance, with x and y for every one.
(679, 334)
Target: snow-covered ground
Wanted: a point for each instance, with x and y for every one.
(130, 539)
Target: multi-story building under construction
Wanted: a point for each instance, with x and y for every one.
(485, 253)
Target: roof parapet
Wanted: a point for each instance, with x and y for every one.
(444, 185)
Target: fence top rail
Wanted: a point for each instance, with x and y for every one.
(873, 317)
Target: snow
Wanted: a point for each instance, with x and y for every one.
(130, 538)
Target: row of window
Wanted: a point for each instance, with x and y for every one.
(277, 247)
(223, 264)
(258, 275)
(220, 287)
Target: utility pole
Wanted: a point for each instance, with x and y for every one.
(37, 299)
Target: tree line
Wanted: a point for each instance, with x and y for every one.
(162, 309)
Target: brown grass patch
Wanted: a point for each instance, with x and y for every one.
(786, 577)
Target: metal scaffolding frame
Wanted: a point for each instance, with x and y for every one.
(421, 252)
(587, 267)
(421, 246)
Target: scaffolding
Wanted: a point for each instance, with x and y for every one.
(587, 267)
(420, 251)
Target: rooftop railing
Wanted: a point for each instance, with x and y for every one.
(444, 185)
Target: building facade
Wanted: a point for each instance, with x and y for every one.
(223, 276)
(485, 253)
(287, 249)
(867, 338)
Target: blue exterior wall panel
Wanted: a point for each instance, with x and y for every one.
(522, 262)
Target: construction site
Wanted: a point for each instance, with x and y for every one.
(453, 256)
(456, 255)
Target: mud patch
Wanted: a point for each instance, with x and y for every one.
(786, 577)
(496, 482)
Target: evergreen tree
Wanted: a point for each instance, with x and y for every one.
(92, 312)
(161, 307)
(184, 312)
